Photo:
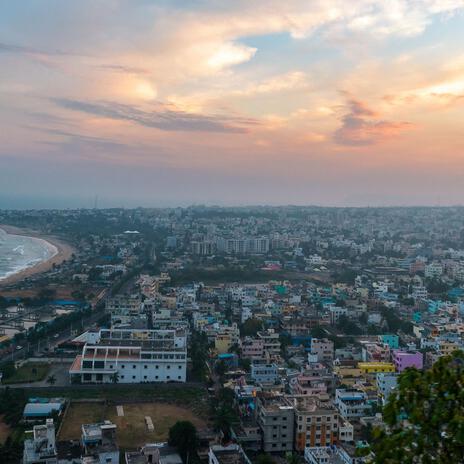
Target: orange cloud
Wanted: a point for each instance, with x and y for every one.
(363, 126)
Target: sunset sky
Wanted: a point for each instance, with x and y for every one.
(163, 103)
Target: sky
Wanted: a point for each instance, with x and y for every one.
(170, 102)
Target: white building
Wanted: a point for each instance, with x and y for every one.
(41, 447)
(133, 356)
(433, 270)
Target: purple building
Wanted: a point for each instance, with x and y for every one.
(405, 359)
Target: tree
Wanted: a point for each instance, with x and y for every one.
(251, 327)
(114, 377)
(183, 435)
(424, 417)
(51, 380)
(292, 458)
(264, 459)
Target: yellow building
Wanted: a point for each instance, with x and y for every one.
(375, 367)
(223, 342)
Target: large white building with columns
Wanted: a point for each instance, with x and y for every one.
(133, 356)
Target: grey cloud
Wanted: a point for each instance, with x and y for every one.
(162, 116)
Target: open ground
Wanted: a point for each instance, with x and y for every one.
(132, 431)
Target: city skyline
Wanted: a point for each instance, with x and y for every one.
(163, 103)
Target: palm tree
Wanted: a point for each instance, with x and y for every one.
(51, 380)
(114, 378)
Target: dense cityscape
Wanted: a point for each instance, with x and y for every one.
(234, 336)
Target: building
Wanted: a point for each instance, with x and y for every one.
(133, 356)
(386, 384)
(271, 342)
(316, 422)
(276, 420)
(433, 270)
(352, 404)
(252, 348)
(375, 367)
(331, 455)
(323, 349)
(41, 446)
(99, 443)
(404, 359)
(158, 453)
(264, 373)
(42, 408)
(258, 245)
(230, 454)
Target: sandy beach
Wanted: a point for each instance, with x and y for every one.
(64, 252)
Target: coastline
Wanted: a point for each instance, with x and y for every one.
(63, 252)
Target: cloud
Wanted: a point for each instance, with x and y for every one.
(163, 117)
(363, 126)
(230, 54)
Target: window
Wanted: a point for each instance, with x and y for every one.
(122, 376)
(144, 376)
(168, 377)
(156, 367)
(133, 376)
(123, 366)
(145, 367)
(179, 377)
(133, 366)
(99, 364)
(111, 366)
(168, 367)
(180, 367)
(156, 376)
(87, 377)
(99, 377)
(87, 364)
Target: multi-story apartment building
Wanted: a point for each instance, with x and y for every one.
(405, 359)
(276, 420)
(133, 356)
(252, 348)
(316, 422)
(255, 245)
(271, 341)
(125, 310)
(352, 404)
(386, 384)
(264, 373)
(322, 349)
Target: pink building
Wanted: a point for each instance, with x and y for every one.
(405, 359)
(252, 349)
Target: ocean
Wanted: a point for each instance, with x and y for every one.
(18, 252)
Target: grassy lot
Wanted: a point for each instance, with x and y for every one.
(29, 372)
(131, 432)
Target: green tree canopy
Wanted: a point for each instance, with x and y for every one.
(425, 416)
(183, 435)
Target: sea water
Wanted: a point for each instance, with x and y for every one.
(18, 252)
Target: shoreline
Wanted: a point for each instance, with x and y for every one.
(63, 252)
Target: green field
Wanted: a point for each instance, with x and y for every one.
(30, 372)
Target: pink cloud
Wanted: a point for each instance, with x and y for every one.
(364, 126)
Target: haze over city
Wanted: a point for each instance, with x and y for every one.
(164, 103)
